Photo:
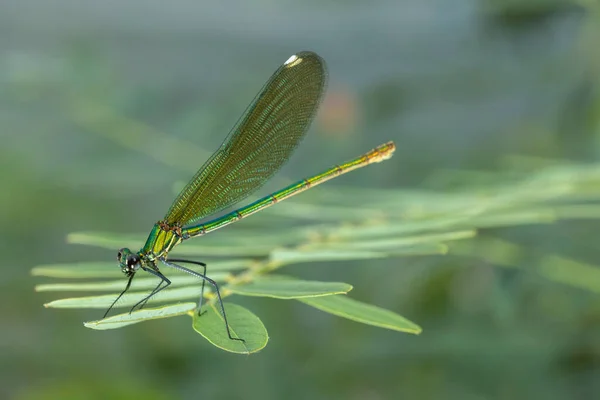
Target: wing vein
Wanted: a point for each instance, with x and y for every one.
(259, 144)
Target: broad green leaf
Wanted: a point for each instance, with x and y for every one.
(289, 288)
(242, 324)
(361, 312)
(147, 314)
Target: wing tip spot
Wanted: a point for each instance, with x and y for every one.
(292, 61)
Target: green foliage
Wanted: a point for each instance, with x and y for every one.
(392, 224)
(242, 324)
(270, 251)
(121, 320)
(282, 288)
(346, 307)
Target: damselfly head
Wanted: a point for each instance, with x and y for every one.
(128, 261)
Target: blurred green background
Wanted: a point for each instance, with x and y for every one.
(458, 85)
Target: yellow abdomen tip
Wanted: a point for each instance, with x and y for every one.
(384, 151)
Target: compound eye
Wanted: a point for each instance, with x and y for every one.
(132, 260)
(119, 254)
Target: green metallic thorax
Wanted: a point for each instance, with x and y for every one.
(160, 241)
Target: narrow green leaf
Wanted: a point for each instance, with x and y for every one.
(291, 256)
(137, 284)
(79, 270)
(319, 212)
(289, 288)
(408, 226)
(128, 299)
(570, 272)
(526, 216)
(243, 235)
(209, 247)
(111, 269)
(496, 251)
(106, 240)
(361, 312)
(393, 244)
(242, 324)
(578, 211)
(419, 250)
(95, 116)
(147, 314)
(308, 254)
(229, 250)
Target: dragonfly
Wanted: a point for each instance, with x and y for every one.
(261, 142)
